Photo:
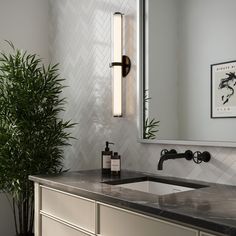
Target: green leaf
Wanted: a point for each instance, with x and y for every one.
(150, 125)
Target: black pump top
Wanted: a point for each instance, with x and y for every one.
(115, 153)
(107, 146)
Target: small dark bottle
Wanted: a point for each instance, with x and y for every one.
(115, 164)
(106, 160)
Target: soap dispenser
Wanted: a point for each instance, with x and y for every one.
(115, 164)
(106, 159)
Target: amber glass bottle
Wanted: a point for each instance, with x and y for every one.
(115, 164)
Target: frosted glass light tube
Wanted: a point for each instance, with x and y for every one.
(117, 69)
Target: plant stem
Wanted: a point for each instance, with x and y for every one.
(14, 213)
(25, 216)
(20, 216)
(31, 215)
(25, 208)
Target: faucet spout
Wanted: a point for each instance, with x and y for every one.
(172, 154)
(160, 163)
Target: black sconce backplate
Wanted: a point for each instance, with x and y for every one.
(125, 64)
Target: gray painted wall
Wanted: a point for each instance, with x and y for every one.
(162, 66)
(6, 217)
(206, 37)
(25, 23)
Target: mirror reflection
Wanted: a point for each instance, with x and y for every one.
(183, 39)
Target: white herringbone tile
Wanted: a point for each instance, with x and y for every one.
(80, 40)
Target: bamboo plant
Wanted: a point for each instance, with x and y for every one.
(151, 125)
(32, 135)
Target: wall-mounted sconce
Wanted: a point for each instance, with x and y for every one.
(121, 64)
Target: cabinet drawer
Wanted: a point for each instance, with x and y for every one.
(118, 222)
(51, 227)
(206, 234)
(69, 208)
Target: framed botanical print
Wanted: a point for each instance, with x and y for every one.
(223, 90)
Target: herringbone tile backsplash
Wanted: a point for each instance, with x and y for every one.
(80, 40)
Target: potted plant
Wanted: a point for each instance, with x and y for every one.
(32, 135)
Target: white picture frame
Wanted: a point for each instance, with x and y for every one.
(223, 90)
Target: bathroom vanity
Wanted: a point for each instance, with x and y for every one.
(85, 203)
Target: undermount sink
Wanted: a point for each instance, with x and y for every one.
(155, 185)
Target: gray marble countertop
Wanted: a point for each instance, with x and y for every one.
(212, 207)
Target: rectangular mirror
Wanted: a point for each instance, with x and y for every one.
(187, 69)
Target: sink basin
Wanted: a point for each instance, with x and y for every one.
(155, 185)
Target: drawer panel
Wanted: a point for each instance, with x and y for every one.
(70, 208)
(206, 234)
(118, 222)
(51, 227)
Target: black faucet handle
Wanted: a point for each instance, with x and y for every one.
(199, 157)
(165, 151)
(205, 156)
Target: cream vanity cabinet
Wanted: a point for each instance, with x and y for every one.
(206, 234)
(116, 222)
(61, 213)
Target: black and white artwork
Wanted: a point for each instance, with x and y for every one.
(223, 90)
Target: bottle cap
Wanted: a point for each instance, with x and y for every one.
(115, 153)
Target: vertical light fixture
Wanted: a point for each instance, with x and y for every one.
(121, 64)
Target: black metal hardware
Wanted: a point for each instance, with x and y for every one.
(189, 155)
(199, 157)
(116, 64)
(165, 151)
(195, 157)
(172, 154)
(126, 65)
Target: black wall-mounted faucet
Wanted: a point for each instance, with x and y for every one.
(172, 154)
